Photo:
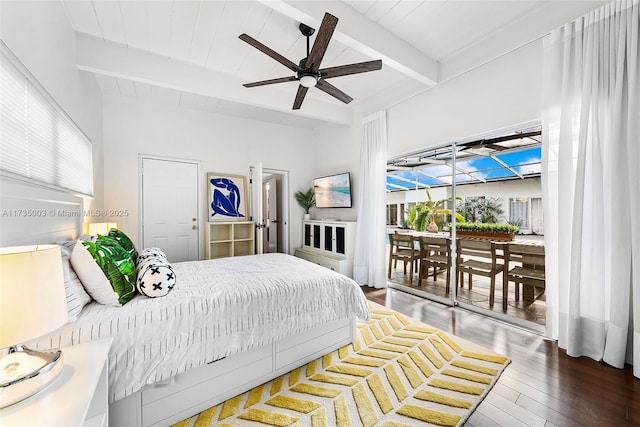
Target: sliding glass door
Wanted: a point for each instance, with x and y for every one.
(489, 184)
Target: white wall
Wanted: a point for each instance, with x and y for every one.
(222, 143)
(336, 149)
(40, 35)
(502, 93)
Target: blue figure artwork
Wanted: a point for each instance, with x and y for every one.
(225, 200)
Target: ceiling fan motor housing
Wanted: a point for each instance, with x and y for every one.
(307, 76)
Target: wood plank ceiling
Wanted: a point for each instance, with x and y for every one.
(187, 53)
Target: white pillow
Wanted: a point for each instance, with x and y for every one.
(77, 297)
(93, 279)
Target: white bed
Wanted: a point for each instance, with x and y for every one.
(231, 312)
(228, 325)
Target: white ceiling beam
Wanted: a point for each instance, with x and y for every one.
(357, 32)
(116, 60)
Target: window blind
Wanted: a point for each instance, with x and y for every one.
(38, 140)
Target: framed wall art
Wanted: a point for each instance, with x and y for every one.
(227, 197)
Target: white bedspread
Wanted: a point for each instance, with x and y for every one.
(218, 308)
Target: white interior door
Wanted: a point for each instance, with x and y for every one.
(170, 207)
(256, 205)
(271, 214)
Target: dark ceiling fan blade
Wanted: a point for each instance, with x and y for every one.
(271, 81)
(270, 52)
(321, 42)
(334, 91)
(345, 70)
(302, 92)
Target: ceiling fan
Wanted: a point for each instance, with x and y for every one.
(308, 71)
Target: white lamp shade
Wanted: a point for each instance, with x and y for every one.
(96, 228)
(32, 295)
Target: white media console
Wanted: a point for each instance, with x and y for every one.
(329, 243)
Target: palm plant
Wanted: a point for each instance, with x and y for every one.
(306, 199)
(425, 213)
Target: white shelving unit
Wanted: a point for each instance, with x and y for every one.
(329, 243)
(229, 238)
(78, 397)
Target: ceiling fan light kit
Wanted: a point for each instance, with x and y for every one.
(308, 72)
(308, 80)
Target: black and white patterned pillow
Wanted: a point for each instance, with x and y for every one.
(148, 253)
(156, 277)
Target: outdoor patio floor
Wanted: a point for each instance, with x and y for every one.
(479, 295)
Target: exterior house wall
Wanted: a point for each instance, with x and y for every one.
(502, 190)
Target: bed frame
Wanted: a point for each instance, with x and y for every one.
(203, 387)
(193, 391)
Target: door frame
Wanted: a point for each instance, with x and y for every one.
(265, 210)
(199, 222)
(284, 214)
(284, 222)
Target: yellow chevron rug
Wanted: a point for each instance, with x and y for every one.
(398, 372)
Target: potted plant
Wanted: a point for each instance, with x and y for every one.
(306, 200)
(424, 215)
(490, 231)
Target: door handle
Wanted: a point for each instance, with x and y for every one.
(193, 227)
(273, 221)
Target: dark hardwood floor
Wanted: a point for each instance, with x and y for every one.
(542, 386)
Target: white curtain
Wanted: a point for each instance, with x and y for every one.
(591, 164)
(369, 253)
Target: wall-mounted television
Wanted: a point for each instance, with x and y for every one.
(333, 191)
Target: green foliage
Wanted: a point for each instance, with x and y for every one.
(405, 224)
(125, 242)
(117, 265)
(306, 199)
(488, 227)
(517, 223)
(423, 213)
(487, 210)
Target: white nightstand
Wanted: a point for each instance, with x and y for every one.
(78, 397)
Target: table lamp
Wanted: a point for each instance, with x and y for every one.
(32, 303)
(96, 228)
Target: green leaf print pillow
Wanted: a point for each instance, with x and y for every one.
(125, 242)
(117, 264)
